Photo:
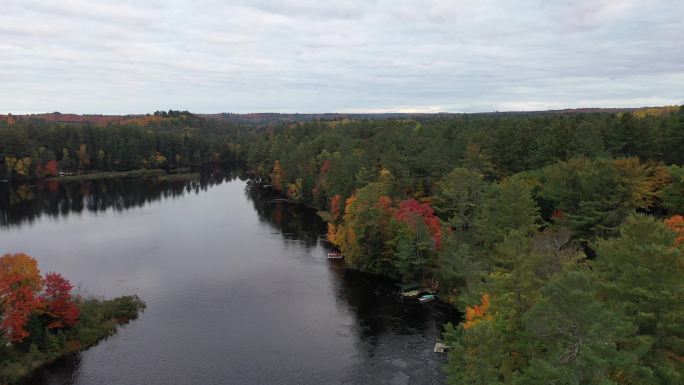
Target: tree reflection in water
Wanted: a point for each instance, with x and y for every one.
(26, 202)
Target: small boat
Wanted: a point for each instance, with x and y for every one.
(427, 298)
(335, 255)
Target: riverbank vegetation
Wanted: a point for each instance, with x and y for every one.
(181, 174)
(42, 320)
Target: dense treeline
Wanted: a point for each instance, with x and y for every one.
(168, 140)
(558, 236)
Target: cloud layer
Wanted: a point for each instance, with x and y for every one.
(127, 56)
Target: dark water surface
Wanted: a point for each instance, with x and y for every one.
(237, 284)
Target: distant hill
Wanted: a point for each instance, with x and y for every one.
(267, 118)
(57, 117)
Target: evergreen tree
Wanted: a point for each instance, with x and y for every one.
(641, 275)
(573, 337)
(458, 196)
(508, 206)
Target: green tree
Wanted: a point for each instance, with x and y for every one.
(593, 197)
(461, 271)
(508, 206)
(66, 163)
(458, 196)
(414, 250)
(672, 194)
(641, 275)
(574, 337)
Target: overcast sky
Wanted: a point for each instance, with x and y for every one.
(125, 56)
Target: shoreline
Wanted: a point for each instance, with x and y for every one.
(100, 319)
(325, 216)
(181, 174)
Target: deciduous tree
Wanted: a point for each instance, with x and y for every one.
(59, 304)
(20, 283)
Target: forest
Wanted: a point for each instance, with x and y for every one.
(39, 147)
(559, 236)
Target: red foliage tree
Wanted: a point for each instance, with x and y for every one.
(325, 166)
(18, 302)
(335, 206)
(59, 305)
(51, 168)
(411, 211)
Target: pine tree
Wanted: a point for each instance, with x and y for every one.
(642, 276)
(573, 337)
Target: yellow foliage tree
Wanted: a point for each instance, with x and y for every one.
(477, 313)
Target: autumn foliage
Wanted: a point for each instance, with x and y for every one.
(19, 283)
(335, 206)
(476, 313)
(277, 176)
(23, 292)
(59, 306)
(51, 168)
(676, 224)
(411, 211)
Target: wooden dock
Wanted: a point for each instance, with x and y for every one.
(335, 255)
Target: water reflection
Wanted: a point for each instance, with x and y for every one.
(25, 203)
(395, 336)
(294, 222)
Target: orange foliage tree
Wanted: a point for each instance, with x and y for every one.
(676, 224)
(20, 282)
(475, 314)
(277, 176)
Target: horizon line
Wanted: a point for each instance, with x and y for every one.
(370, 112)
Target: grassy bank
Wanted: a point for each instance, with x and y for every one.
(183, 174)
(109, 175)
(99, 319)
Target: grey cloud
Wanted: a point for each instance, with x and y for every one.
(104, 56)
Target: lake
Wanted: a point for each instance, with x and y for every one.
(237, 284)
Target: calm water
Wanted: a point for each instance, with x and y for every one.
(238, 287)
